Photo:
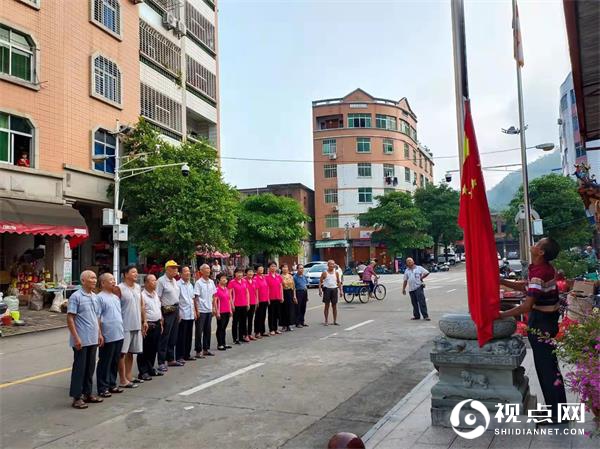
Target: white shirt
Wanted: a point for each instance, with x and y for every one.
(131, 307)
(331, 280)
(167, 291)
(203, 292)
(151, 305)
(414, 277)
(186, 300)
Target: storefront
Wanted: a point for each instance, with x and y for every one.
(36, 242)
(333, 249)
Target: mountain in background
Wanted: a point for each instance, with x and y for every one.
(502, 193)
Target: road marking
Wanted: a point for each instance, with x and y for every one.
(326, 337)
(358, 325)
(315, 307)
(206, 385)
(36, 377)
(450, 291)
(189, 407)
(434, 287)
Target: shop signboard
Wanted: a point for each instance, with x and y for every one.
(68, 271)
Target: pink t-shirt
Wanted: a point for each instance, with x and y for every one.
(239, 292)
(263, 289)
(252, 287)
(223, 295)
(274, 282)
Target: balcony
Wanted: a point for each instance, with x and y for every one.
(330, 122)
(199, 128)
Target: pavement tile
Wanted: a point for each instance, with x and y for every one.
(428, 446)
(36, 321)
(483, 442)
(437, 435)
(511, 442)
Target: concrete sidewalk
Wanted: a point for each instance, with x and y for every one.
(408, 425)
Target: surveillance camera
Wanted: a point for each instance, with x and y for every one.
(185, 170)
(448, 177)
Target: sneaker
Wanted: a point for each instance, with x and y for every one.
(227, 347)
(163, 368)
(236, 342)
(221, 348)
(145, 377)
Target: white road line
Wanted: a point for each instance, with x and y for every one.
(206, 385)
(358, 325)
(431, 288)
(189, 407)
(450, 291)
(327, 336)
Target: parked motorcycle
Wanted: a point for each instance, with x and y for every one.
(444, 266)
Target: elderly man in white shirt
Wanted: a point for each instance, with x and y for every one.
(204, 291)
(154, 317)
(413, 277)
(187, 316)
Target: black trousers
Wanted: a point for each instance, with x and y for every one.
(288, 316)
(185, 331)
(302, 297)
(261, 315)
(82, 374)
(238, 329)
(168, 339)
(108, 365)
(546, 363)
(417, 297)
(274, 311)
(221, 327)
(250, 319)
(146, 359)
(203, 332)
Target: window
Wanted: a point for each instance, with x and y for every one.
(161, 109)
(407, 174)
(332, 221)
(415, 156)
(388, 146)
(201, 78)
(16, 140)
(563, 102)
(359, 120)
(17, 54)
(365, 195)
(413, 134)
(329, 146)
(105, 144)
(406, 151)
(363, 145)
(199, 27)
(331, 196)
(330, 171)
(575, 124)
(404, 127)
(572, 92)
(364, 170)
(159, 49)
(107, 13)
(106, 80)
(421, 160)
(385, 122)
(389, 170)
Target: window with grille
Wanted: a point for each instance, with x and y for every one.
(161, 109)
(385, 122)
(359, 120)
(159, 49)
(16, 140)
(105, 144)
(407, 174)
(388, 146)
(332, 221)
(17, 54)
(364, 170)
(363, 145)
(201, 78)
(106, 79)
(389, 170)
(330, 171)
(199, 26)
(329, 146)
(107, 13)
(331, 196)
(365, 195)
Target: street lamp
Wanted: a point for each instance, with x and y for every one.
(123, 173)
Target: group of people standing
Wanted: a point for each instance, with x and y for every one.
(156, 322)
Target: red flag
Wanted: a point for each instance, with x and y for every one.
(483, 280)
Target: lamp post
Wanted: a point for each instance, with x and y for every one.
(347, 228)
(122, 173)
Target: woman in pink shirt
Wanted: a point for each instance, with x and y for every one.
(275, 283)
(241, 303)
(263, 302)
(222, 306)
(253, 295)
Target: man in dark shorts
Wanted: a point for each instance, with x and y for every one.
(329, 286)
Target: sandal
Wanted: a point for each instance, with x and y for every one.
(91, 399)
(79, 404)
(116, 390)
(138, 381)
(129, 385)
(105, 394)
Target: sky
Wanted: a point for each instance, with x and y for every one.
(277, 56)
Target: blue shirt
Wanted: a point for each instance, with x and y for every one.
(109, 312)
(186, 300)
(84, 306)
(300, 282)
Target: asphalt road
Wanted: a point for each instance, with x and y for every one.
(290, 391)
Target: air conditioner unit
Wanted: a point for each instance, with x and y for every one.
(332, 157)
(169, 21)
(181, 28)
(325, 235)
(335, 208)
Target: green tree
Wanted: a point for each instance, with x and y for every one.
(439, 205)
(556, 199)
(398, 223)
(270, 225)
(169, 215)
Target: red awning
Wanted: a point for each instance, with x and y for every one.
(37, 218)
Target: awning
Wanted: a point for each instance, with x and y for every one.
(35, 217)
(331, 244)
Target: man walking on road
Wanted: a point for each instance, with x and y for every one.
(329, 285)
(167, 290)
(413, 277)
(84, 326)
(204, 290)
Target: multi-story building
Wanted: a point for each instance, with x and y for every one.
(363, 147)
(68, 71)
(306, 198)
(572, 149)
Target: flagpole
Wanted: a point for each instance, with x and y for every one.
(523, 144)
(460, 75)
